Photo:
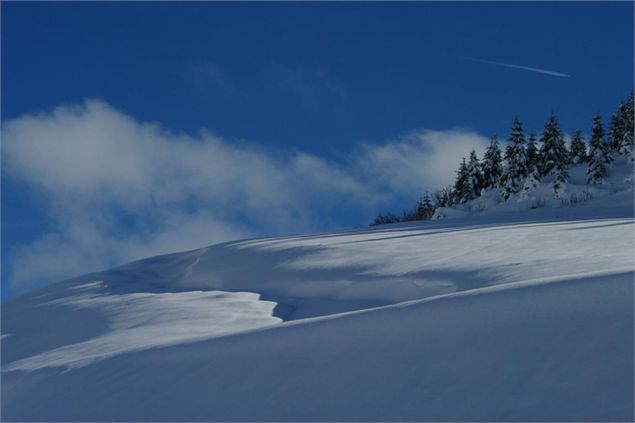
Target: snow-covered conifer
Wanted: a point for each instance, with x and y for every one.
(578, 153)
(425, 208)
(510, 186)
(554, 156)
(515, 169)
(628, 113)
(444, 197)
(476, 175)
(492, 165)
(530, 185)
(560, 183)
(599, 155)
(462, 186)
(622, 122)
(533, 155)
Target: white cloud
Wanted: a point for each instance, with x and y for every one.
(423, 159)
(117, 189)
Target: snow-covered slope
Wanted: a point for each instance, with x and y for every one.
(616, 190)
(512, 316)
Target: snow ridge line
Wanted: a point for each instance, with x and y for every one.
(469, 292)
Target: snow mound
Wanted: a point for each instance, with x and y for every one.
(546, 352)
(149, 320)
(500, 316)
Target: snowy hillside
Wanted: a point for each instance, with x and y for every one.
(496, 316)
(615, 191)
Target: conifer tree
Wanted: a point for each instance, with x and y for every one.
(492, 165)
(622, 128)
(554, 156)
(533, 155)
(600, 156)
(530, 185)
(510, 186)
(617, 129)
(560, 183)
(515, 169)
(425, 208)
(578, 153)
(628, 115)
(444, 197)
(462, 188)
(476, 175)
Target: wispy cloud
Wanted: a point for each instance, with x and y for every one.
(526, 68)
(116, 189)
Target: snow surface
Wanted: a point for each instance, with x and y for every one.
(146, 320)
(492, 316)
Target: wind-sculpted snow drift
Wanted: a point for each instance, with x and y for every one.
(507, 317)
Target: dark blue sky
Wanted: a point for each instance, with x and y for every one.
(316, 77)
(371, 70)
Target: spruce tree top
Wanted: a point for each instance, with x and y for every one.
(578, 148)
(599, 145)
(515, 155)
(533, 157)
(622, 127)
(462, 188)
(493, 152)
(553, 151)
(599, 156)
(473, 158)
(597, 134)
(492, 164)
(517, 135)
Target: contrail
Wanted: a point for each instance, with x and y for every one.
(527, 68)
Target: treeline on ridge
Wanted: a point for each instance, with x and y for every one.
(527, 160)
